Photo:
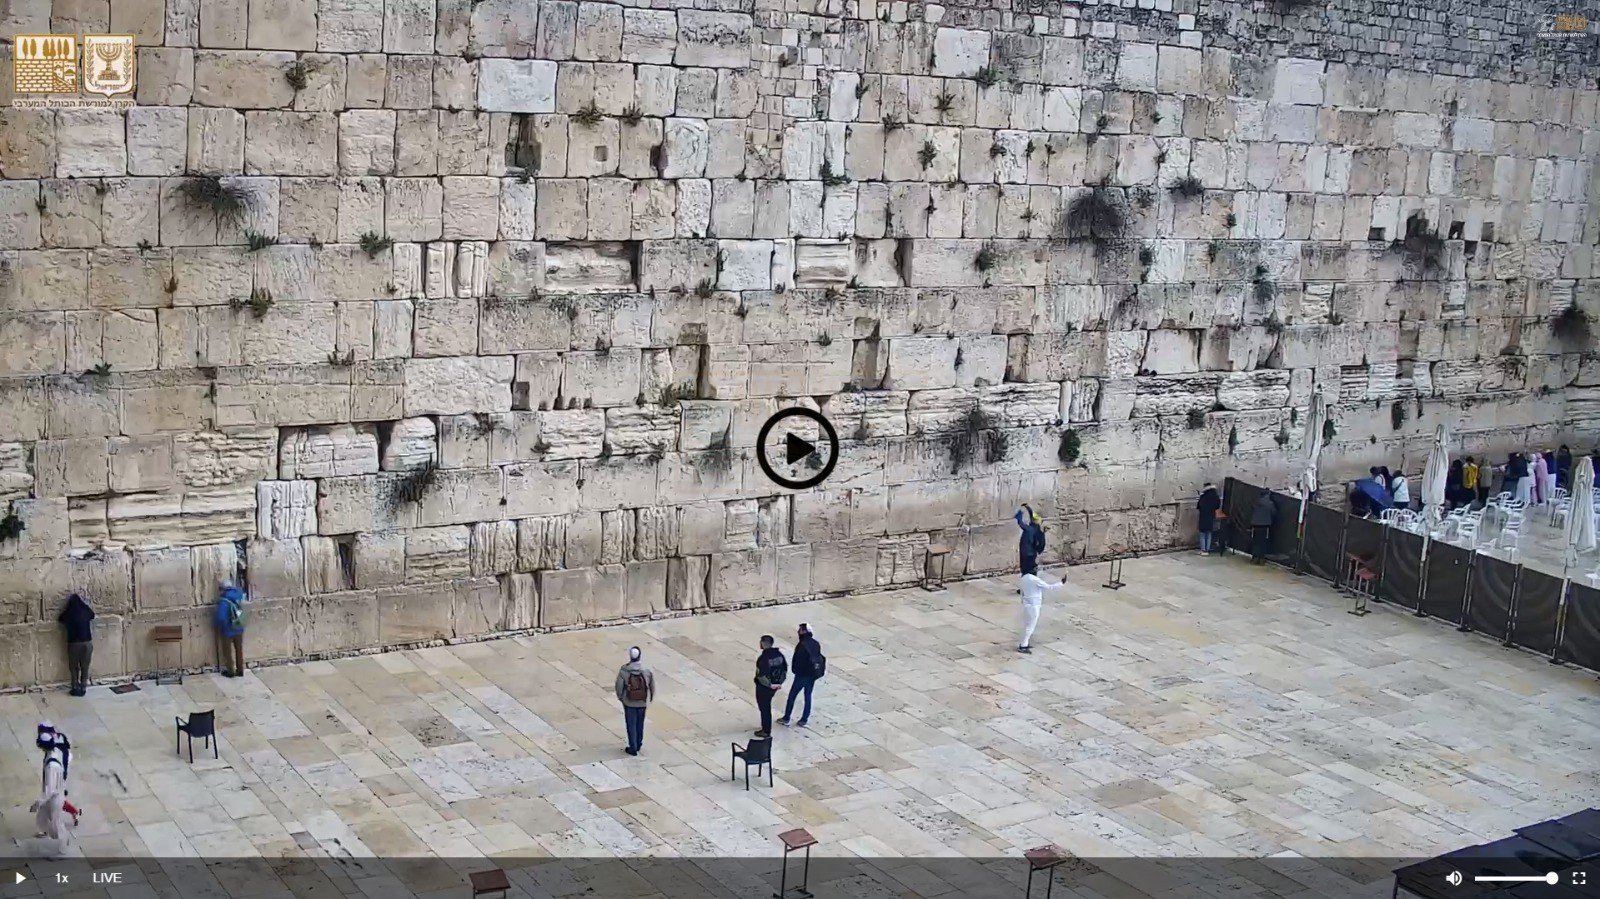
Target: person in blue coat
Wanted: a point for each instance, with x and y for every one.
(1031, 542)
(230, 627)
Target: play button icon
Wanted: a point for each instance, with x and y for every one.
(796, 448)
(802, 463)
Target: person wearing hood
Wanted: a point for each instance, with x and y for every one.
(636, 688)
(1210, 504)
(230, 627)
(76, 617)
(1261, 520)
(1031, 542)
(808, 664)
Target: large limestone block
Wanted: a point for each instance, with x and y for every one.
(572, 433)
(461, 496)
(581, 596)
(743, 577)
(541, 488)
(438, 554)
(35, 343)
(613, 482)
(276, 568)
(641, 429)
(328, 452)
(350, 26)
(283, 24)
(959, 52)
(286, 509)
(714, 39)
(291, 143)
(379, 559)
(107, 663)
(19, 649)
(920, 363)
(411, 443)
(349, 505)
(520, 601)
(334, 622)
(91, 143)
(156, 140)
(455, 385)
(493, 548)
(413, 208)
(517, 85)
(242, 79)
(162, 579)
(144, 656)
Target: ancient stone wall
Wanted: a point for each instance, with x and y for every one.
(436, 318)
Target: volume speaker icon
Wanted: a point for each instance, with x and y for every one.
(1453, 878)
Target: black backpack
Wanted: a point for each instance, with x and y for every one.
(1038, 539)
(819, 662)
(775, 669)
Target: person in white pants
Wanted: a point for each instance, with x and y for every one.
(1034, 588)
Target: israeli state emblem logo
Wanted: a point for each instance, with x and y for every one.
(108, 62)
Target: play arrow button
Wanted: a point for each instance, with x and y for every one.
(795, 449)
(21, 877)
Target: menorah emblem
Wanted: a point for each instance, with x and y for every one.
(108, 63)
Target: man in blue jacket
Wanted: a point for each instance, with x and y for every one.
(230, 627)
(1031, 543)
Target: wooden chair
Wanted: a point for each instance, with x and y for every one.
(200, 724)
(937, 552)
(167, 635)
(757, 753)
(490, 881)
(1046, 859)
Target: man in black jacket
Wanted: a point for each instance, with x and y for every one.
(807, 664)
(1210, 503)
(771, 669)
(77, 618)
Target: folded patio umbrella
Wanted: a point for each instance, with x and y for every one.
(1376, 493)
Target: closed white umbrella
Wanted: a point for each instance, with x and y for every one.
(1580, 515)
(1311, 444)
(1434, 477)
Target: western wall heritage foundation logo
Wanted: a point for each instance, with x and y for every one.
(69, 71)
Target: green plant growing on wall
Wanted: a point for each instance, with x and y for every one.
(1098, 214)
(829, 177)
(989, 76)
(944, 102)
(1070, 448)
(704, 289)
(409, 488)
(373, 244)
(258, 241)
(1195, 420)
(1397, 414)
(259, 302)
(11, 526)
(1422, 246)
(1231, 220)
(227, 201)
(893, 123)
(342, 360)
(1233, 439)
(986, 258)
(1187, 187)
(927, 154)
(589, 115)
(631, 115)
(298, 74)
(1571, 325)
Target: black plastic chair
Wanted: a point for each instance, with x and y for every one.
(758, 753)
(200, 724)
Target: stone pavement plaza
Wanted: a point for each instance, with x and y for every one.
(1210, 708)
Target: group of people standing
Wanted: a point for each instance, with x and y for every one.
(636, 684)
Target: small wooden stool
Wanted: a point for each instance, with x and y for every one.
(1043, 858)
(936, 552)
(167, 634)
(799, 838)
(490, 881)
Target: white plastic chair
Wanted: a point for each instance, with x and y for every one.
(1467, 533)
(1387, 516)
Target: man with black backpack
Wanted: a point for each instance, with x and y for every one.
(809, 666)
(771, 671)
(1031, 542)
(636, 687)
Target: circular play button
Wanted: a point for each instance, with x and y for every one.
(801, 462)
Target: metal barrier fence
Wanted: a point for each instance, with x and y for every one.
(1516, 605)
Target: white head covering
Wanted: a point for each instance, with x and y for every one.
(633, 653)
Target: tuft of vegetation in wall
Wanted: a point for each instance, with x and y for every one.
(1571, 325)
(1422, 246)
(11, 526)
(1100, 214)
(227, 201)
(1070, 448)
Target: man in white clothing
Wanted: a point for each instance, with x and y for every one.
(1033, 590)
